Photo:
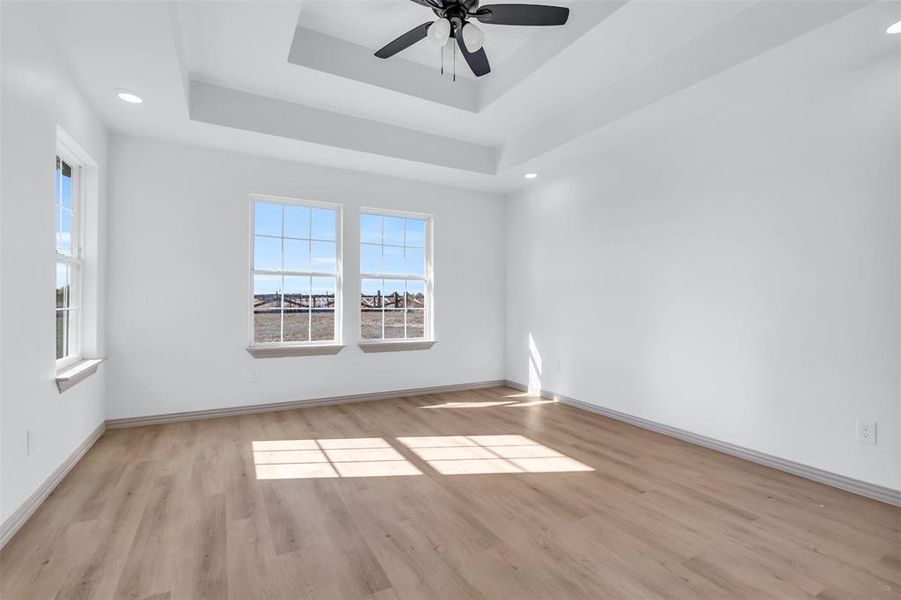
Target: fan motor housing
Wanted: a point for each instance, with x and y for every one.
(456, 11)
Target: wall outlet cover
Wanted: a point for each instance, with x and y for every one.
(866, 432)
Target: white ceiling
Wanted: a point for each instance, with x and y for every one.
(550, 89)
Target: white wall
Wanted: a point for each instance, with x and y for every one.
(728, 260)
(179, 269)
(37, 96)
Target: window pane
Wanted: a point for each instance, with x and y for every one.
(297, 255)
(416, 294)
(72, 330)
(394, 231)
(267, 314)
(415, 323)
(267, 326)
(370, 258)
(371, 229)
(394, 324)
(324, 292)
(324, 257)
(415, 233)
(415, 261)
(267, 218)
(371, 293)
(297, 221)
(392, 260)
(62, 321)
(297, 326)
(65, 183)
(62, 285)
(64, 232)
(370, 324)
(322, 326)
(267, 292)
(267, 254)
(324, 220)
(394, 293)
(297, 292)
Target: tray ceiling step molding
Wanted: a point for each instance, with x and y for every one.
(226, 107)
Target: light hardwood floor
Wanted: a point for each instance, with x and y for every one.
(177, 512)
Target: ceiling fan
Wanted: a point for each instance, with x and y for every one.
(454, 21)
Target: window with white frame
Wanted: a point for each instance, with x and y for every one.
(295, 272)
(69, 256)
(395, 276)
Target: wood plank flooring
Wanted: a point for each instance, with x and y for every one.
(176, 512)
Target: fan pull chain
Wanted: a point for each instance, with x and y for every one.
(455, 62)
(442, 60)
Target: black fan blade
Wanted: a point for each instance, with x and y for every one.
(430, 3)
(522, 14)
(416, 34)
(477, 61)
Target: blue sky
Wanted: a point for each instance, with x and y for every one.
(63, 229)
(63, 213)
(389, 245)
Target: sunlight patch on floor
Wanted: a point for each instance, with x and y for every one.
(474, 404)
(493, 403)
(329, 458)
(375, 457)
(481, 454)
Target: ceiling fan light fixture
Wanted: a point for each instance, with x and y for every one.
(454, 21)
(439, 32)
(894, 28)
(473, 37)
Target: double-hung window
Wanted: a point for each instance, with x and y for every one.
(295, 273)
(69, 257)
(395, 276)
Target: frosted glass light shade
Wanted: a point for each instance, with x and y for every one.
(473, 37)
(439, 32)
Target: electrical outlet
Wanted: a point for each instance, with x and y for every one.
(866, 432)
(254, 377)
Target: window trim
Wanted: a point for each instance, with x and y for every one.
(429, 338)
(274, 349)
(76, 261)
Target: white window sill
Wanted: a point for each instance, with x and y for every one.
(396, 345)
(72, 374)
(277, 351)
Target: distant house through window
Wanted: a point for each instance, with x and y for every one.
(395, 276)
(295, 272)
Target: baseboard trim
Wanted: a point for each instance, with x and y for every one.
(20, 516)
(525, 388)
(214, 413)
(849, 484)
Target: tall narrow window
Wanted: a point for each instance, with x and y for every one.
(295, 272)
(396, 276)
(68, 261)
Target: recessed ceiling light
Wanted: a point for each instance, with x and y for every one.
(129, 96)
(896, 28)
(531, 176)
